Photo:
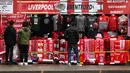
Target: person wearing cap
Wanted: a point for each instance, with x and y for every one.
(72, 37)
(10, 41)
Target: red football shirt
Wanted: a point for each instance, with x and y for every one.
(103, 22)
(103, 18)
(113, 23)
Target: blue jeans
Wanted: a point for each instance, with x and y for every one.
(75, 48)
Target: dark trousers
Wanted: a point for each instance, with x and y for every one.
(75, 48)
(9, 53)
(23, 52)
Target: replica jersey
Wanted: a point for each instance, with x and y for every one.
(80, 22)
(122, 19)
(66, 21)
(113, 23)
(35, 24)
(103, 22)
(55, 22)
(91, 20)
(47, 25)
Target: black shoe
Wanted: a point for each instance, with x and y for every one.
(6, 63)
(10, 63)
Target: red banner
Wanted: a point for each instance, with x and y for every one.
(36, 7)
(63, 7)
(116, 6)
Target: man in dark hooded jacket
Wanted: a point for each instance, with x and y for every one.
(72, 36)
(10, 41)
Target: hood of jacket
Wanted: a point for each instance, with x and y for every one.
(26, 29)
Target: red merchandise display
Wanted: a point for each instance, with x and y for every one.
(107, 44)
(39, 49)
(2, 51)
(63, 58)
(30, 55)
(122, 45)
(112, 40)
(86, 45)
(33, 45)
(81, 50)
(90, 58)
(103, 22)
(117, 57)
(63, 47)
(108, 58)
(112, 55)
(50, 45)
(99, 45)
(113, 23)
(47, 57)
(82, 58)
(81, 45)
(127, 45)
(119, 45)
(124, 58)
(55, 35)
(101, 58)
(120, 57)
(91, 45)
(40, 57)
(40, 46)
(128, 56)
(56, 49)
(2, 46)
(30, 46)
(45, 45)
(44, 49)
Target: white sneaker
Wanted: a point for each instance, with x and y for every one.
(21, 64)
(78, 64)
(25, 63)
(69, 64)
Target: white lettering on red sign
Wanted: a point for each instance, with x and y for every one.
(116, 12)
(120, 6)
(40, 7)
(117, 1)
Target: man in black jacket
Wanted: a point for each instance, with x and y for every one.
(72, 36)
(10, 41)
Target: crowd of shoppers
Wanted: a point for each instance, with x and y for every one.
(24, 34)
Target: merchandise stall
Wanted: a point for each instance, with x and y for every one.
(102, 25)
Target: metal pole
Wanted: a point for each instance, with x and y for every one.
(59, 23)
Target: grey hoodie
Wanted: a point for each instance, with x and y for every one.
(80, 22)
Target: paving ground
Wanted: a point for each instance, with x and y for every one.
(51, 68)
